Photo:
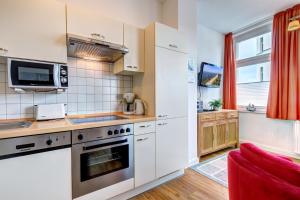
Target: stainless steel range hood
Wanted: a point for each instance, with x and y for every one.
(94, 49)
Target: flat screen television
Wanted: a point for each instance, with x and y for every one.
(210, 75)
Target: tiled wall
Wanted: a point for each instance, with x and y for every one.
(92, 88)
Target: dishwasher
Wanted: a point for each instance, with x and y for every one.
(36, 167)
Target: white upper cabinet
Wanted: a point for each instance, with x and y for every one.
(169, 38)
(171, 83)
(33, 29)
(84, 22)
(134, 60)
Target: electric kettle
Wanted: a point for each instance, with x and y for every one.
(139, 107)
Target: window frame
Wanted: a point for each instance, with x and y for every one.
(258, 59)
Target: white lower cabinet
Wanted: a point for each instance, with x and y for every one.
(144, 154)
(41, 176)
(171, 146)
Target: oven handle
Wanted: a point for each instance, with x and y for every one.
(97, 146)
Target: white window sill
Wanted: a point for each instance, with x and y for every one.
(259, 110)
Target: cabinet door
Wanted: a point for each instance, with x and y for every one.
(220, 135)
(41, 176)
(33, 29)
(171, 84)
(169, 38)
(144, 154)
(171, 145)
(85, 22)
(134, 40)
(232, 131)
(206, 139)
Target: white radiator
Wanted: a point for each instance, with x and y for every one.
(297, 136)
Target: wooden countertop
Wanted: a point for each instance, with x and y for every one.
(60, 125)
(219, 111)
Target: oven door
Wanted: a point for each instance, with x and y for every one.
(32, 74)
(101, 163)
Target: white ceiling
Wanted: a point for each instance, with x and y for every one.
(230, 15)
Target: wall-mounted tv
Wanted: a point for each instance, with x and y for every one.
(210, 75)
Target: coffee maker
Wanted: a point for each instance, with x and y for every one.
(128, 103)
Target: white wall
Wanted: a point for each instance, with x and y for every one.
(170, 13)
(136, 12)
(210, 49)
(271, 134)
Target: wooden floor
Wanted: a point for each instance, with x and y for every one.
(191, 186)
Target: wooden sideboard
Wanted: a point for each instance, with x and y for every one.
(217, 130)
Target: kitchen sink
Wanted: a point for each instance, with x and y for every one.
(14, 125)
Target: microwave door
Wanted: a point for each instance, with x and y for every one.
(30, 74)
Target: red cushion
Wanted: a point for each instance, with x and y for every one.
(248, 182)
(280, 167)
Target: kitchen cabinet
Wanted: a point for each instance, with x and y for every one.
(33, 29)
(169, 38)
(84, 22)
(144, 154)
(37, 176)
(217, 130)
(144, 127)
(134, 60)
(171, 146)
(171, 83)
(233, 129)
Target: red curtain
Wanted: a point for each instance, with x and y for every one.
(229, 81)
(284, 92)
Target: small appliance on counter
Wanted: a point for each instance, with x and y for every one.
(50, 111)
(139, 107)
(128, 103)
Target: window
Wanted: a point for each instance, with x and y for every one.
(253, 49)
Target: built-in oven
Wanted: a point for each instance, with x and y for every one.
(101, 157)
(27, 74)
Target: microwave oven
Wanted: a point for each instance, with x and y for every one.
(27, 74)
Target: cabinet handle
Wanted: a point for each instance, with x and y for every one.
(143, 126)
(162, 115)
(97, 36)
(173, 46)
(142, 139)
(162, 124)
(135, 67)
(129, 67)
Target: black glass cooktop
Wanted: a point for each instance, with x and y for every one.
(95, 119)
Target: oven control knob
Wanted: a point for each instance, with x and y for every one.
(116, 132)
(80, 137)
(63, 80)
(122, 131)
(109, 132)
(63, 72)
(49, 142)
(127, 130)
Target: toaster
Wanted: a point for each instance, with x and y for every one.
(49, 111)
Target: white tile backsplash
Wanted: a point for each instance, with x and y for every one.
(92, 88)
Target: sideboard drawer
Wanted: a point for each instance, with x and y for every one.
(232, 114)
(220, 116)
(207, 117)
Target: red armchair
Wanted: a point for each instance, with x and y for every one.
(254, 174)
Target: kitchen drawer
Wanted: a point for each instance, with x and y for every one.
(207, 117)
(233, 114)
(220, 116)
(144, 127)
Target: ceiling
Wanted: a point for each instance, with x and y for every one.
(230, 15)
